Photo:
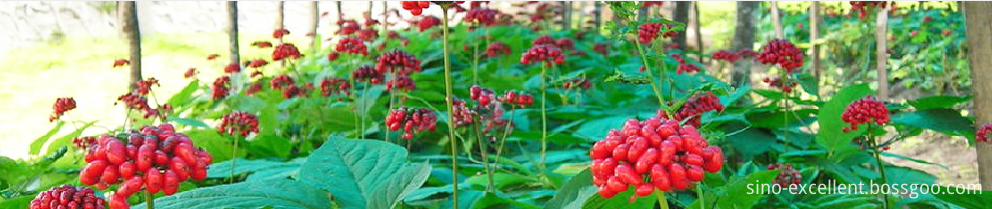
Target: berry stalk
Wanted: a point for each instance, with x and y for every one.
(484, 151)
(234, 155)
(881, 168)
(661, 199)
(544, 115)
(644, 60)
(449, 99)
(151, 202)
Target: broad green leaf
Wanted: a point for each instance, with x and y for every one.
(218, 146)
(265, 146)
(946, 121)
(597, 129)
(241, 166)
(966, 198)
(183, 97)
(938, 102)
(363, 173)
(742, 191)
(17, 202)
(40, 141)
(251, 194)
(621, 200)
(501, 180)
(574, 193)
(66, 140)
(189, 122)
(831, 134)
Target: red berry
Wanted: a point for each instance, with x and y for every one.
(659, 177)
(116, 152)
(644, 190)
(110, 175)
(127, 170)
(170, 182)
(130, 186)
(153, 180)
(118, 201)
(677, 176)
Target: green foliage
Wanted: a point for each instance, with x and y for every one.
(251, 194)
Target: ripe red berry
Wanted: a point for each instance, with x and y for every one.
(170, 182)
(284, 51)
(67, 197)
(130, 186)
(783, 53)
(153, 180)
(240, 123)
(863, 111)
(982, 135)
(61, 106)
(119, 201)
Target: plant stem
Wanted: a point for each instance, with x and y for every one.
(392, 96)
(544, 115)
(234, 155)
(654, 86)
(661, 199)
(449, 99)
(484, 152)
(149, 201)
(506, 131)
(699, 192)
(881, 168)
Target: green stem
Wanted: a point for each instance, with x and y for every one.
(881, 167)
(475, 64)
(544, 115)
(449, 99)
(654, 86)
(506, 132)
(234, 155)
(699, 192)
(149, 201)
(484, 152)
(392, 96)
(661, 199)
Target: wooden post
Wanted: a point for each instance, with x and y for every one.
(979, 34)
(597, 16)
(232, 30)
(814, 34)
(314, 23)
(881, 54)
(776, 19)
(128, 19)
(699, 33)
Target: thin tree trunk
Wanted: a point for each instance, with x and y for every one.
(128, 17)
(881, 54)
(744, 39)
(776, 19)
(232, 30)
(598, 15)
(682, 15)
(979, 34)
(699, 33)
(280, 13)
(579, 21)
(340, 14)
(385, 19)
(314, 22)
(814, 33)
(566, 15)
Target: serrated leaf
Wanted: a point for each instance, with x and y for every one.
(251, 194)
(363, 173)
(574, 193)
(241, 166)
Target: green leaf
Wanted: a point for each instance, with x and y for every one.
(183, 97)
(808, 82)
(270, 146)
(241, 166)
(743, 191)
(621, 201)
(66, 140)
(501, 180)
(966, 199)
(251, 194)
(574, 193)
(40, 141)
(938, 102)
(831, 133)
(210, 140)
(946, 121)
(363, 173)
(189, 122)
(17, 202)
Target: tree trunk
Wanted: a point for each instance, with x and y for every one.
(598, 15)
(744, 39)
(699, 33)
(814, 33)
(979, 34)
(776, 19)
(314, 22)
(280, 13)
(128, 18)
(581, 15)
(232, 30)
(682, 15)
(881, 54)
(340, 14)
(566, 15)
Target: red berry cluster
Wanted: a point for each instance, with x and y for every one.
(241, 123)
(601, 48)
(488, 108)
(787, 85)
(83, 142)
(428, 22)
(412, 120)
(565, 43)
(684, 67)
(212, 56)
(156, 159)
(282, 81)
(121, 62)
(368, 34)
(257, 63)
(401, 82)
(647, 33)
(234, 67)
(783, 53)
(577, 83)
(398, 62)
(550, 54)
(416, 7)
(864, 7)
(694, 108)
(496, 49)
(983, 133)
(61, 106)
(330, 86)
(487, 17)
(786, 174)
(515, 99)
(352, 46)
(348, 27)
(262, 44)
(545, 40)
(286, 50)
(137, 100)
(221, 87)
(294, 91)
(366, 73)
(190, 73)
(279, 33)
(66, 197)
(673, 157)
(254, 88)
(726, 56)
(863, 111)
